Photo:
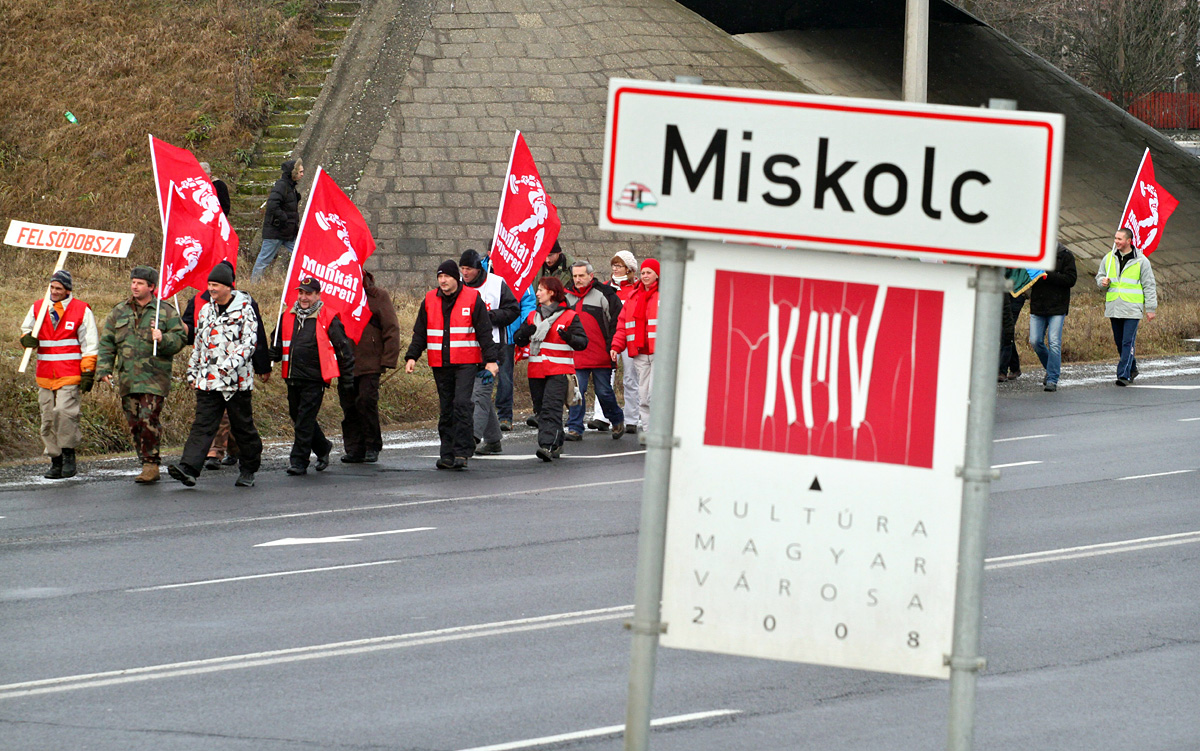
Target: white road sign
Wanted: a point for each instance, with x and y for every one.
(832, 173)
(814, 508)
(54, 237)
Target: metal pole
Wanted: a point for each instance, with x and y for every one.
(965, 662)
(647, 605)
(916, 51)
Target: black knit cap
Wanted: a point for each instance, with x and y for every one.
(63, 277)
(146, 273)
(450, 269)
(471, 259)
(222, 273)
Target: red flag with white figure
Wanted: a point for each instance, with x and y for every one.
(1148, 208)
(527, 224)
(179, 166)
(190, 247)
(332, 245)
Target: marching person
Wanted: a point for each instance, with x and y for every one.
(636, 333)
(219, 187)
(454, 325)
(314, 349)
(281, 222)
(67, 345)
(557, 264)
(128, 351)
(378, 350)
(1126, 275)
(220, 372)
(625, 282)
(554, 334)
(502, 310)
(598, 309)
(1049, 303)
(223, 450)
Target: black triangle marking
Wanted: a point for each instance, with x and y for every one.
(816, 484)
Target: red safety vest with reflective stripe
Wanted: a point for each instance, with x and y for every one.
(556, 356)
(464, 347)
(637, 342)
(59, 353)
(328, 358)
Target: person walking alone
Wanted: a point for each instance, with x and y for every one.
(554, 333)
(1128, 279)
(281, 222)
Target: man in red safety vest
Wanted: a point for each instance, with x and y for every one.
(67, 345)
(454, 326)
(314, 349)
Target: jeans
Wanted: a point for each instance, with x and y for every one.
(504, 382)
(1125, 337)
(1047, 328)
(602, 379)
(266, 255)
(486, 423)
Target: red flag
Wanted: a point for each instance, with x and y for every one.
(190, 247)
(333, 244)
(179, 166)
(528, 223)
(1148, 208)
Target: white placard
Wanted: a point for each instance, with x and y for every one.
(821, 412)
(832, 173)
(54, 237)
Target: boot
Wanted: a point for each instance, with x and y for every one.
(149, 473)
(68, 463)
(55, 471)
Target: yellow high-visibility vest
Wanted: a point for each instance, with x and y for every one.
(1126, 284)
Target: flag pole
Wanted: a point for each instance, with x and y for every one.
(41, 316)
(1132, 188)
(295, 251)
(162, 258)
(504, 191)
(162, 216)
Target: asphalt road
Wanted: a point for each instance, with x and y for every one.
(455, 611)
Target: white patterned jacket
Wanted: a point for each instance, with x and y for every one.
(221, 359)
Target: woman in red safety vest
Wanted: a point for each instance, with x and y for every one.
(637, 330)
(554, 333)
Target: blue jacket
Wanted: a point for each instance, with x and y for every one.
(528, 303)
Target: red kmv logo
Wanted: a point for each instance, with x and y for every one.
(824, 368)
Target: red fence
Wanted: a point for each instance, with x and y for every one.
(1166, 110)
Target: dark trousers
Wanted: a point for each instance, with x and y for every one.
(1125, 337)
(210, 407)
(360, 416)
(456, 418)
(504, 382)
(549, 396)
(1013, 360)
(304, 404)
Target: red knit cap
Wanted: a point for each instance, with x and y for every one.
(652, 264)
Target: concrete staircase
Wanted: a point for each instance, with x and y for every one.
(278, 139)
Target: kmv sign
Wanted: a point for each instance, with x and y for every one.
(831, 173)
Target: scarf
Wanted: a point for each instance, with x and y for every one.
(542, 321)
(639, 301)
(303, 314)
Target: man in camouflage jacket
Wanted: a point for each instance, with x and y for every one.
(127, 350)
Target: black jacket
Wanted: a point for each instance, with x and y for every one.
(282, 218)
(480, 321)
(262, 354)
(1052, 296)
(304, 362)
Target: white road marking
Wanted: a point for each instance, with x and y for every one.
(613, 730)
(1014, 464)
(1089, 551)
(1162, 386)
(314, 652)
(533, 457)
(1024, 438)
(260, 576)
(338, 538)
(1157, 474)
(1189, 419)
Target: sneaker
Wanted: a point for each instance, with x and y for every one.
(370, 457)
(543, 453)
(618, 430)
(490, 448)
(571, 435)
(1050, 387)
(1123, 381)
(212, 463)
(531, 421)
(600, 425)
(179, 473)
(460, 463)
(245, 479)
(296, 470)
(322, 463)
(351, 459)
(444, 463)
(506, 425)
(231, 460)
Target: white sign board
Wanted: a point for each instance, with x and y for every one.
(53, 237)
(814, 508)
(832, 173)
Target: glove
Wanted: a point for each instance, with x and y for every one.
(346, 385)
(29, 341)
(87, 380)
